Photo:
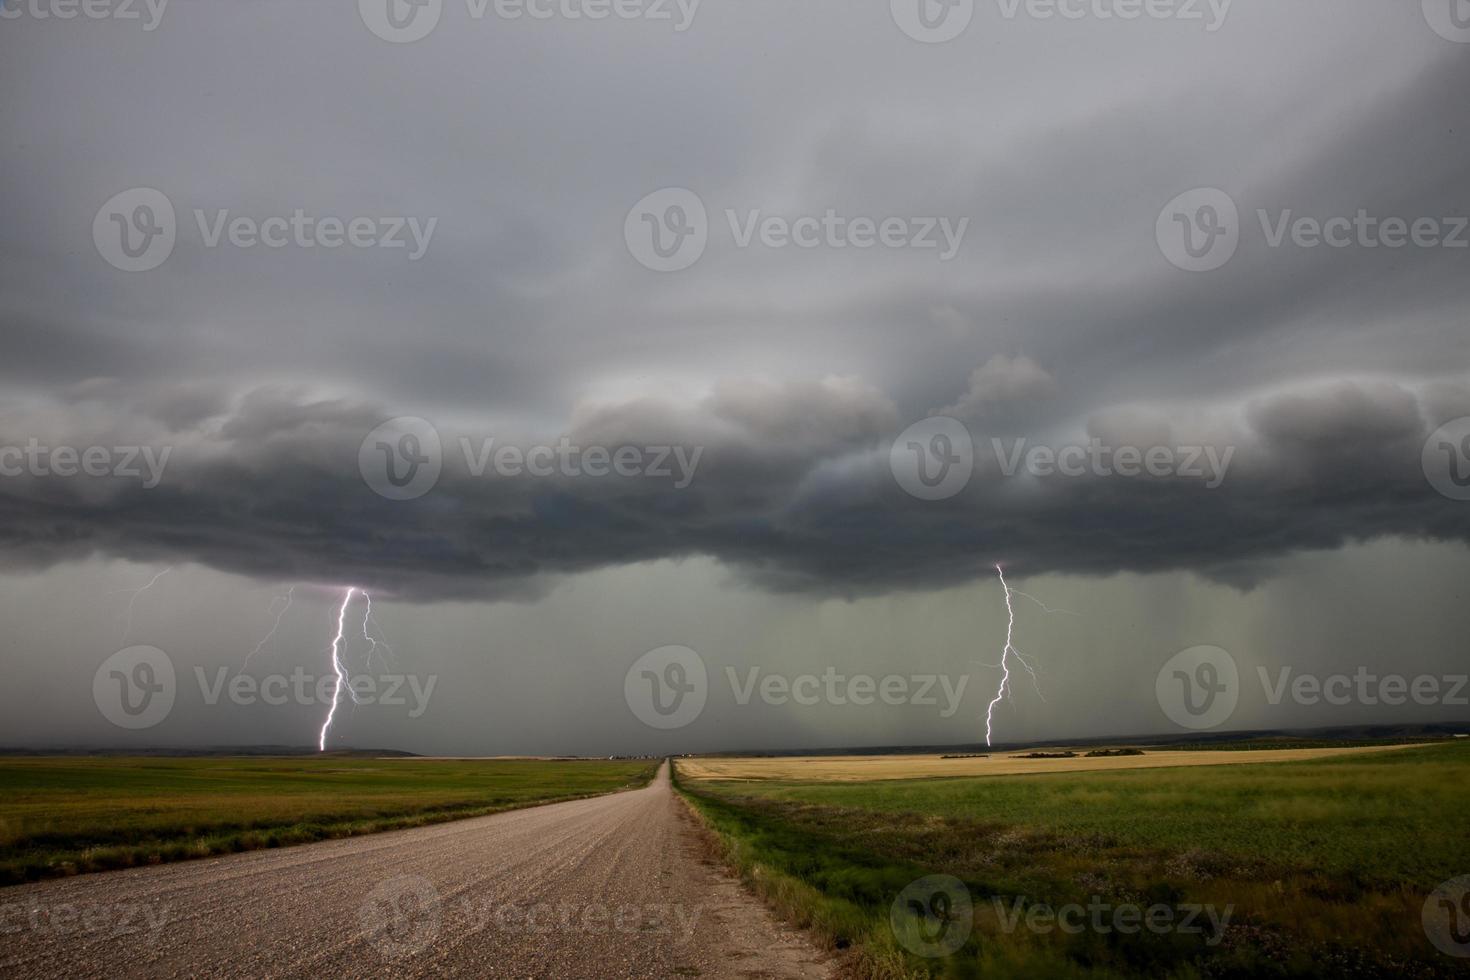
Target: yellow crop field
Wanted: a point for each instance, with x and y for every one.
(862, 768)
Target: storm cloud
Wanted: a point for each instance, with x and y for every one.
(1182, 455)
(797, 485)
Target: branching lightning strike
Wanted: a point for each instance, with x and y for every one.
(274, 626)
(339, 651)
(1009, 651)
(337, 666)
(133, 597)
(369, 619)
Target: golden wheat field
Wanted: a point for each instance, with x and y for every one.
(868, 767)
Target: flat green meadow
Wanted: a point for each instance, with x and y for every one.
(1325, 865)
(63, 815)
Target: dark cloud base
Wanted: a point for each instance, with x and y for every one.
(794, 489)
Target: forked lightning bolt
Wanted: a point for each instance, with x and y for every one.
(339, 652)
(369, 619)
(337, 643)
(1007, 652)
(133, 597)
(274, 626)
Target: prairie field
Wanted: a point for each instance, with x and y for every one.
(1303, 863)
(63, 815)
(866, 768)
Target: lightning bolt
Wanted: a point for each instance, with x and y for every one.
(133, 598)
(1009, 651)
(274, 626)
(368, 618)
(341, 671)
(339, 651)
(1044, 607)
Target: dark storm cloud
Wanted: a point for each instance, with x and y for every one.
(793, 487)
(1058, 321)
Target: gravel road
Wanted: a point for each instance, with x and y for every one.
(617, 886)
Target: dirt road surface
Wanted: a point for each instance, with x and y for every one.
(617, 886)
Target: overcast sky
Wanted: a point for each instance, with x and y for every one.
(242, 235)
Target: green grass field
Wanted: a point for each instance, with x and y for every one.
(1325, 864)
(62, 815)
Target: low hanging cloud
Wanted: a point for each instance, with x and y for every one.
(793, 484)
